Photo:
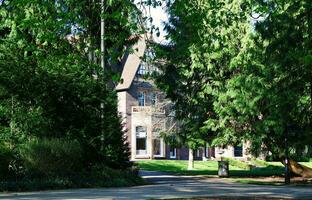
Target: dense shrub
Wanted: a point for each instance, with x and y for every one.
(51, 156)
(6, 158)
(51, 92)
(99, 176)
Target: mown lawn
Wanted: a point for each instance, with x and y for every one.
(308, 164)
(176, 165)
(211, 168)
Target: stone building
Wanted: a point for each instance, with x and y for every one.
(143, 109)
(139, 103)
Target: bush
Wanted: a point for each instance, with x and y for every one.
(98, 176)
(101, 175)
(52, 157)
(104, 172)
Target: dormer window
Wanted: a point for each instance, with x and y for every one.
(142, 69)
(141, 98)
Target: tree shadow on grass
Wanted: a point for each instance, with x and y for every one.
(255, 172)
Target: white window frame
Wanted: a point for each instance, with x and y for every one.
(175, 153)
(197, 153)
(207, 150)
(140, 134)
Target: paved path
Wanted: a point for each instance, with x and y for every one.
(169, 186)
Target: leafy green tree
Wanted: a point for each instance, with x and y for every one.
(51, 83)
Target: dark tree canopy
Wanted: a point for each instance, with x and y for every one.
(51, 82)
(241, 70)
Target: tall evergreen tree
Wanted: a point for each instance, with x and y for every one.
(204, 37)
(243, 66)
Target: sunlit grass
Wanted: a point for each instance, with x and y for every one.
(178, 165)
(308, 164)
(206, 168)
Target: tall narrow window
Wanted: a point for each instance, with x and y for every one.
(157, 147)
(207, 150)
(153, 99)
(197, 153)
(173, 152)
(141, 140)
(141, 98)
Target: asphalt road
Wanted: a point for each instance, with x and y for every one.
(166, 186)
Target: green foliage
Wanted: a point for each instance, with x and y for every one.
(180, 79)
(51, 91)
(51, 82)
(240, 70)
(268, 100)
(102, 177)
(51, 157)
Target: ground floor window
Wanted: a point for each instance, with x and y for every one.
(197, 153)
(141, 140)
(173, 152)
(207, 150)
(238, 151)
(157, 147)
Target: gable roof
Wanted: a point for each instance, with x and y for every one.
(131, 65)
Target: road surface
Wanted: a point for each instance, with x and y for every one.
(166, 186)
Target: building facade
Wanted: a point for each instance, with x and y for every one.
(145, 114)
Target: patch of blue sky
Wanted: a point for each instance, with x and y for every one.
(159, 18)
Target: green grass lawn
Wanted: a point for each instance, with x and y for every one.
(308, 164)
(207, 168)
(211, 168)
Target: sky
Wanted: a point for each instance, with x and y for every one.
(159, 17)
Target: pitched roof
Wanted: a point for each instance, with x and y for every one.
(131, 65)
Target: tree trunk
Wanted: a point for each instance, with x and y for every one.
(299, 169)
(191, 159)
(309, 154)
